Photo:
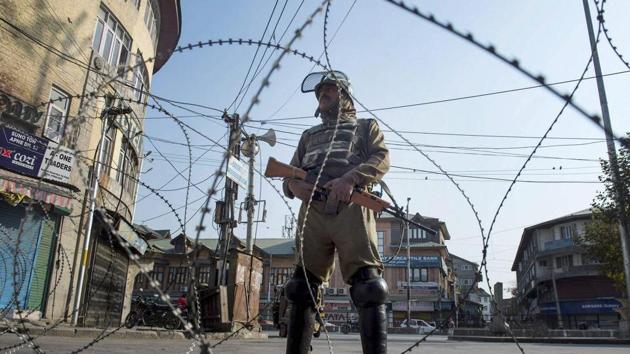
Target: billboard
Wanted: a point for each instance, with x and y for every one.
(35, 157)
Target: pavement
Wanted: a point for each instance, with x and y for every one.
(272, 345)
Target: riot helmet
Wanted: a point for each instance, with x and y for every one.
(313, 81)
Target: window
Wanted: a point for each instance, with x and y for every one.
(178, 275)
(381, 242)
(417, 234)
(151, 21)
(568, 231)
(564, 261)
(111, 41)
(140, 79)
(466, 267)
(136, 3)
(203, 274)
(56, 115)
(158, 273)
(279, 276)
(108, 147)
(127, 167)
(542, 263)
(419, 274)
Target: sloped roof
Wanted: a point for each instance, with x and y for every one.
(277, 246)
(464, 259)
(149, 233)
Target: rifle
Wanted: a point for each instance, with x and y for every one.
(276, 168)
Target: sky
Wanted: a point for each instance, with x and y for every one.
(394, 58)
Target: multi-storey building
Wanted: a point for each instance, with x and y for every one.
(468, 293)
(558, 282)
(431, 282)
(54, 55)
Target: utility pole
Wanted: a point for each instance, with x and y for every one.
(408, 270)
(614, 166)
(96, 174)
(225, 208)
(250, 148)
(287, 229)
(555, 294)
(250, 201)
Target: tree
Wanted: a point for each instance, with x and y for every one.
(601, 240)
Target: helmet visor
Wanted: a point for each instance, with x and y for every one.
(313, 79)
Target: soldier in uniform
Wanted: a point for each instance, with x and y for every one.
(358, 157)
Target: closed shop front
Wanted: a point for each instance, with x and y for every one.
(27, 242)
(106, 283)
(104, 296)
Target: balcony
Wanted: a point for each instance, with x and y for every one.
(569, 272)
(556, 246)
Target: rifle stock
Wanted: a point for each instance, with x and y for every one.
(276, 168)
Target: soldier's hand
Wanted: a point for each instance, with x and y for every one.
(340, 188)
(300, 189)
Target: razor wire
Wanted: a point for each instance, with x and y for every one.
(266, 82)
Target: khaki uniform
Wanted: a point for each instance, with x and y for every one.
(359, 152)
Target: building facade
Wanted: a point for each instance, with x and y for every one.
(557, 283)
(431, 282)
(432, 285)
(53, 56)
(469, 295)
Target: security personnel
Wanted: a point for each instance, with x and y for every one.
(357, 157)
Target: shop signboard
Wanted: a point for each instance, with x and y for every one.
(414, 306)
(416, 261)
(582, 307)
(35, 157)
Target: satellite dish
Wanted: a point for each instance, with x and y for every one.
(269, 137)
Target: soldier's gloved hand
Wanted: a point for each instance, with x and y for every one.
(340, 188)
(300, 189)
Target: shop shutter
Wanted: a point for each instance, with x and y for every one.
(10, 219)
(106, 287)
(39, 279)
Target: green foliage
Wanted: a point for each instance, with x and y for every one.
(601, 240)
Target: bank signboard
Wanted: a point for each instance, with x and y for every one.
(35, 157)
(416, 261)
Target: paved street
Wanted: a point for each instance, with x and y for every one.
(341, 344)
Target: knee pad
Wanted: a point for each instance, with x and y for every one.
(297, 289)
(368, 289)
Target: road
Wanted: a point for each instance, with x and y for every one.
(274, 345)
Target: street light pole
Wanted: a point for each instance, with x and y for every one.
(614, 166)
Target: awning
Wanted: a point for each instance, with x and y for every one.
(30, 189)
(125, 231)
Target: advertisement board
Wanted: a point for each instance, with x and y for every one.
(35, 157)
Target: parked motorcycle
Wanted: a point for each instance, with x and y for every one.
(149, 312)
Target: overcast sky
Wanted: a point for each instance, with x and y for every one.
(392, 59)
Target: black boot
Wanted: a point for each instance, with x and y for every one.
(369, 294)
(300, 328)
(301, 312)
(373, 328)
